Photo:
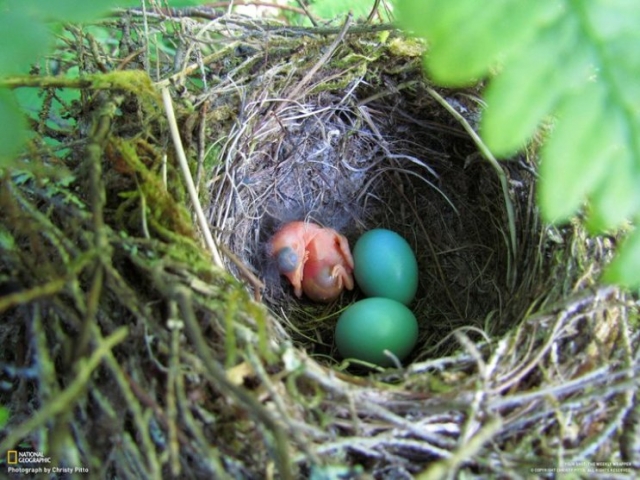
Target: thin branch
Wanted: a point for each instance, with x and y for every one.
(68, 396)
(184, 166)
(322, 61)
(511, 273)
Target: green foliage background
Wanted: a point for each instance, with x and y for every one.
(570, 64)
(27, 30)
(330, 9)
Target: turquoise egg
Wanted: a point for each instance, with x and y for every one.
(385, 266)
(370, 326)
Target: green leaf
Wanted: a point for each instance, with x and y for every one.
(513, 113)
(572, 62)
(25, 35)
(14, 127)
(577, 154)
(21, 41)
(624, 268)
(429, 20)
(330, 9)
(4, 416)
(461, 50)
(617, 197)
(7, 242)
(70, 10)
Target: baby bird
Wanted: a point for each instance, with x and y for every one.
(328, 267)
(316, 260)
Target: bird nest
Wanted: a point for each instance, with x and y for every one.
(134, 351)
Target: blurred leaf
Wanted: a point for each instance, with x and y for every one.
(26, 34)
(68, 10)
(617, 197)
(21, 40)
(4, 416)
(30, 101)
(7, 242)
(330, 9)
(575, 60)
(624, 268)
(14, 127)
(541, 78)
(467, 37)
(575, 156)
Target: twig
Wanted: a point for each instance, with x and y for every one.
(511, 272)
(140, 418)
(98, 138)
(246, 272)
(172, 409)
(50, 288)
(184, 166)
(67, 397)
(446, 468)
(321, 62)
(217, 376)
(306, 11)
(373, 11)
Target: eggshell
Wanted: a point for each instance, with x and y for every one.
(370, 326)
(385, 266)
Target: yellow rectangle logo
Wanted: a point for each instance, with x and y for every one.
(12, 457)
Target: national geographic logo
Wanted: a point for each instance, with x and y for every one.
(30, 463)
(15, 457)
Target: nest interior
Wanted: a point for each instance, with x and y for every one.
(130, 352)
(379, 149)
(365, 158)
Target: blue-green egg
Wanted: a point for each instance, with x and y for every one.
(369, 327)
(385, 266)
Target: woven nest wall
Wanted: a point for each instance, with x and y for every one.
(129, 351)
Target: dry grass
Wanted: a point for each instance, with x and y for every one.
(130, 352)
